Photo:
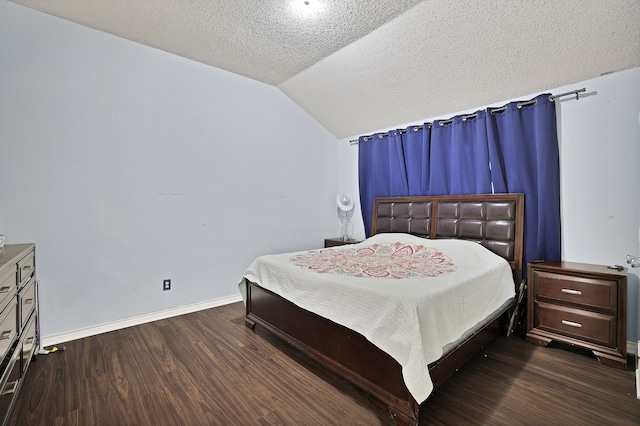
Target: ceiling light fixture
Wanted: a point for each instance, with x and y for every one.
(307, 8)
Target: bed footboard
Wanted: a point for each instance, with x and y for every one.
(351, 355)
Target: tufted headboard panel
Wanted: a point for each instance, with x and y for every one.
(494, 220)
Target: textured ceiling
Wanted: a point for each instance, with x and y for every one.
(359, 66)
(266, 40)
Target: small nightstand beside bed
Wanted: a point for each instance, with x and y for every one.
(397, 314)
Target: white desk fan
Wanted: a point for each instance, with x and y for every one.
(345, 213)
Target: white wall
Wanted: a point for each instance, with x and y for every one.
(599, 138)
(600, 161)
(127, 165)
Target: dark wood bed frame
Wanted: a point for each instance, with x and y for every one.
(495, 221)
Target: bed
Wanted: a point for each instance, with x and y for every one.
(376, 351)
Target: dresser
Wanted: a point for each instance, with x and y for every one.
(580, 304)
(18, 319)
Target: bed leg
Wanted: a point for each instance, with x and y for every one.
(249, 323)
(401, 419)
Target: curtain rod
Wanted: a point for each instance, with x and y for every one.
(573, 92)
(551, 98)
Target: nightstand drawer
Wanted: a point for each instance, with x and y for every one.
(590, 292)
(584, 325)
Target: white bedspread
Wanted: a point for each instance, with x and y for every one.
(426, 294)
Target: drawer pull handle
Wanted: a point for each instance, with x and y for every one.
(27, 301)
(5, 289)
(569, 291)
(29, 340)
(14, 385)
(572, 324)
(5, 334)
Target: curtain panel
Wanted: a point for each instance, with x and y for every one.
(509, 149)
(381, 171)
(524, 154)
(416, 144)
(460, 156)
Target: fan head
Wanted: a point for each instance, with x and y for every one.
(345, 205)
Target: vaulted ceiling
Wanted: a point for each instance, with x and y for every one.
(362, 65)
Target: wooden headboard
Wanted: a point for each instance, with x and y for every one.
(494, 220)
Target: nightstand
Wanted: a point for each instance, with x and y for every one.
(333, 242)
(579, 304)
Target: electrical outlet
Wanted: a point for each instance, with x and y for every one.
(166, 285)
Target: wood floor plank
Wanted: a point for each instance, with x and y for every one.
(207, 368)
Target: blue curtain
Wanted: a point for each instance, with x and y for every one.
(381, 170)
(509, 149)
(523, 148)
(459, 156)
(416, 146)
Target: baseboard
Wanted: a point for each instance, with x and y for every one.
(56, 339)
(637, 379)
(632, 347)
(637, 357)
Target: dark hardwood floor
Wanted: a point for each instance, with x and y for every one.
(207, 368)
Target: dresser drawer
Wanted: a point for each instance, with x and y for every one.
(7, 285)
(26, 267)
(581, 324)
(597, 293)
(27, 302)
(28, 343)
(9, 384)
(8, 329)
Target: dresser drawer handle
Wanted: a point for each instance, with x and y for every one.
(27, 270)
(30, 340)
(14, 385)
(27, 301)
(569, 291)
(5, 289)
(5, 334)
(571, 323)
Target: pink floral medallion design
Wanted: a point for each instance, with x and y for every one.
(395, 260)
